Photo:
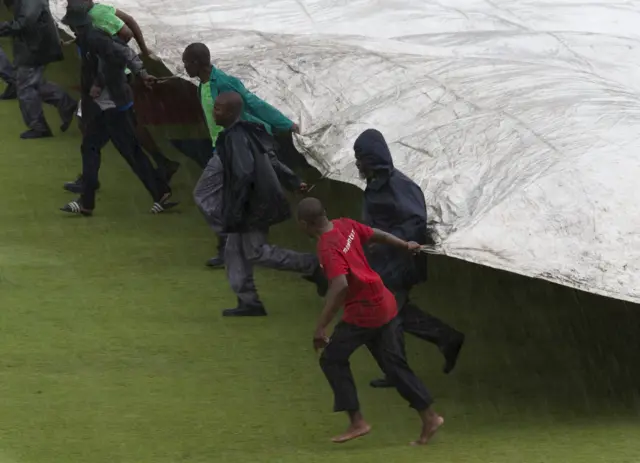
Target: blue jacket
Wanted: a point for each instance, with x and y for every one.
(395, 204)
(255, 109)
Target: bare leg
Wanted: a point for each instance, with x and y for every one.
(358, 427)
(431, 421)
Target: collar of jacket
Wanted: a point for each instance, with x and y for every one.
(380, 179)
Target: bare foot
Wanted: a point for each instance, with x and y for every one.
(429, 428)
(355, 430)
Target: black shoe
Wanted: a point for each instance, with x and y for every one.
(67, 118)
(75, 207)
(163, 204)
(451, 351)
(77, 186)
(216, 262)
(245, 312)
(35, 134)
(320, 281)
(10, 93)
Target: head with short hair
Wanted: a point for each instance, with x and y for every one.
(312, 216)
(227, 109)
(195, 58)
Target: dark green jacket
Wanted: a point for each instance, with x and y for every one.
(255, 109)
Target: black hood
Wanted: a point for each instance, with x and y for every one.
(372, 151)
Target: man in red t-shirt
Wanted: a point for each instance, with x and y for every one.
(369, 318)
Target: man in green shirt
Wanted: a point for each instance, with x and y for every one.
(197, 63)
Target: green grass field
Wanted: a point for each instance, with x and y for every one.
(113, 348)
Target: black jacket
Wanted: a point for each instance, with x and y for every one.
(395, 204)
(253, 197)
(35, 35)
(103, 61)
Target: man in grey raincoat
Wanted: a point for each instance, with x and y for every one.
(36, 44)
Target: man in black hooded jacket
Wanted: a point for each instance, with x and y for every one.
(252, 201)
(395, 204)
(36, 43)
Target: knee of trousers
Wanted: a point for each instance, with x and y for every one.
(393, 364)
(253, 253)
(330, 359)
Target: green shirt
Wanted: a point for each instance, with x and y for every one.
(206, 100)
(104, 17)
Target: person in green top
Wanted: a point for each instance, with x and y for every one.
(124, 27)
(197, 63)
(213, 81)
(117, 23)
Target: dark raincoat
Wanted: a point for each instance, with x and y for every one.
(35, 35)
(253, 197)
(395, 204)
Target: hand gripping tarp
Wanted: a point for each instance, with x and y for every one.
(519, 119)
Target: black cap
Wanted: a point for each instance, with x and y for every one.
(77, 15)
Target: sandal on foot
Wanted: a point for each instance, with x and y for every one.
(163, 204)
(75, 207)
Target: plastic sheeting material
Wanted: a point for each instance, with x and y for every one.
(520, 119)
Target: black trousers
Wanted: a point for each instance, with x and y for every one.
(422, 324)
(385, 344)
(119, 128)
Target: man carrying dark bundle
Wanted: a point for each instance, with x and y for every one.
(253, 201)
(395, 204)
(107, 111)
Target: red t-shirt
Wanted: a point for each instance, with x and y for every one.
(369, 303)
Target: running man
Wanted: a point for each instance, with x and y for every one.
(36, 44)
(369, 319)
(253, 200)
(213, 81)
(395, 204)
(107, 107)
(124, 28)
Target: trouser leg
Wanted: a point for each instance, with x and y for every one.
(222, 242)
(7, 72)
(208, 194)
(259, 252)
(54, 95)
(122, 132)
(28, 80)
(425, 326)
(94, 139)
(386, 347)
(335, 365)
(240, 272)
(151, 147)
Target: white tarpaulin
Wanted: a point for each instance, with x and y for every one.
(519, 119)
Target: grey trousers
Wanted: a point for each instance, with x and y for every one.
(244, 250)
(208, 193)
(7, 73)
(208, 197)
(33, 89)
